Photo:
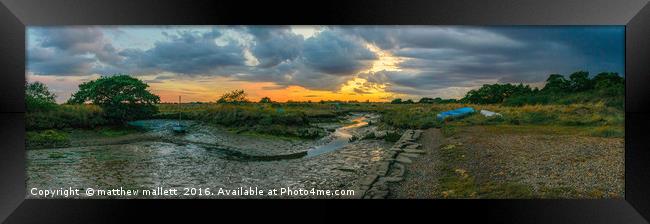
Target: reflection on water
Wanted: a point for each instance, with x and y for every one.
(341, 137)
(167, 163)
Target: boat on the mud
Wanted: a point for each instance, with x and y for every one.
(456, 113)
(488, 113)
(178, 128)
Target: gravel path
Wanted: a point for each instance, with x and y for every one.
(570, 166)
(551, 166)
(420, 177)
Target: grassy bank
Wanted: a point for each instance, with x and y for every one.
(70, 137)
(295, 120)
(601, 120)
(66, 116)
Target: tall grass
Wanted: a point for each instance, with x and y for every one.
(296, 119)
(275, 119)
(66, 116)
(593, 115)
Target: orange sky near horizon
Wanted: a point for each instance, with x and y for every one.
(314, 63)
(210, 88)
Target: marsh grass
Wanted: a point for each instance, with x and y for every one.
(297, 119)
(66, 116)
(47, 138)
(593, 119)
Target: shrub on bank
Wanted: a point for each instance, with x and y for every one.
(65, 116)
(47, 139)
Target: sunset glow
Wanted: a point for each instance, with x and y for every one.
(314, 63)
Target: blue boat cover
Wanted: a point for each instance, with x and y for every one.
(460, 112)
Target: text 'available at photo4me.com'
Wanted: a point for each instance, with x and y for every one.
(185, 192)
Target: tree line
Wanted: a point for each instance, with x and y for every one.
(608, 87)
(123, 97)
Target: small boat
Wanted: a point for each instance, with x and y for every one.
(178, 127)
(488, 113)
(456, 113)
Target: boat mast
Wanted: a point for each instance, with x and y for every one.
(179, 110)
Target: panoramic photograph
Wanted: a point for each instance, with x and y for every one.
(340, 112)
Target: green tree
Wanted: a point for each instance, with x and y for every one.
(426, 100)
(580, 81)
(556, 83)
(235, 96)
(495, 93)
(265, 100)
(120, 96)
(610, 84)
(396, 101)
(38, 97)
(607, 79)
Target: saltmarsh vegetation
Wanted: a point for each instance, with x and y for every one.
(107, 101)
(591, 105)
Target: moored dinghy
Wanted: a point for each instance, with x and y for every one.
(456, 113)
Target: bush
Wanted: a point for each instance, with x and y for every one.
(38, 97)
(47, 138)
(410, 116)
(66, 116)
(238, 97)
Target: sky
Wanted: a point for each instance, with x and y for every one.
(302, 63)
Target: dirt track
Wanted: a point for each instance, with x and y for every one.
(421, 178)
(538, 165)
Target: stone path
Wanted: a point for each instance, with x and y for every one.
(392, 168)
(421, 180)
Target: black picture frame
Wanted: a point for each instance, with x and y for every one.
(15, 15)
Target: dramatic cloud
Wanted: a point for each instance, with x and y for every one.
(442, 57)
(274, 45)
(444, 61)
(335, 52)
(185, 53)
(69, 51)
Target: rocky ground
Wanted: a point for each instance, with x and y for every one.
(421, 177)
(515, 165)
(555, 166)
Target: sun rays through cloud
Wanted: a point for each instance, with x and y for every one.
(313, 63)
